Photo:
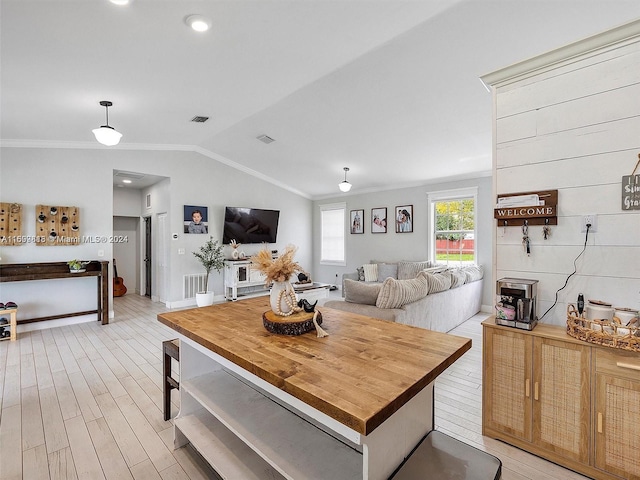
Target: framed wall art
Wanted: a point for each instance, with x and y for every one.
(196, 219)
(404, 219)
(379, 220)
(356, 219)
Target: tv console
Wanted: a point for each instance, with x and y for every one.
(241, 275)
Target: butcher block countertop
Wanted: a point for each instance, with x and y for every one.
(364, 371)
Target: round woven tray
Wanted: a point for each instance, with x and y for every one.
(296, 324)
(602, 332)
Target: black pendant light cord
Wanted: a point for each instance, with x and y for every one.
(575, 269)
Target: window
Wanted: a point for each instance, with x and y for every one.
(453, 223)
(332, 234)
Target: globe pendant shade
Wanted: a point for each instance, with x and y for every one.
(107, 135)
(344, 186)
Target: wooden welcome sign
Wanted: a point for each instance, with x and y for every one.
(545, 214)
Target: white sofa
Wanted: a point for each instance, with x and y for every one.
(440, 311)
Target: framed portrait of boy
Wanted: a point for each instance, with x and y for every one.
(379, 220)
(196, 219)
(404, 219)
(356, 221)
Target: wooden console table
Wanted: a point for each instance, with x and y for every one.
(351, 405)
(21, 272)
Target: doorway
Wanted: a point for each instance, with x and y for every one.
(147, 256)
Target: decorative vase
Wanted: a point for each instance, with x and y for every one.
(235, 254)
(280, 292)
(204, 299)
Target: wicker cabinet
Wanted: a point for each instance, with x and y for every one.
(617, 410)
(571, 402)
(536, 393)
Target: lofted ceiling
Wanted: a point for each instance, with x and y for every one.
(387, 88)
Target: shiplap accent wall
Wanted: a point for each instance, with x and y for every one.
(572, 123)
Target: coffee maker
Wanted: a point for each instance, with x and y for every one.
(520, 294)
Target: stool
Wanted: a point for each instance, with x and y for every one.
(441, 457)
(170, 349)
(13, 322)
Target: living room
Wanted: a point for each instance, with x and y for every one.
(591, 150)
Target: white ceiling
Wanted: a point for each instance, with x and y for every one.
(388, 88)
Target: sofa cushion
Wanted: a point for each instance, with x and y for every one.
(438, 282)
(396, 293)
(407, 270)
(386, 270)
(360, 271)
(360, 292)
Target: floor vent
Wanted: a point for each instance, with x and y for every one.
(192, 284)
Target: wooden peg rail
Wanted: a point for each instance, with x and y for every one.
(546, 214)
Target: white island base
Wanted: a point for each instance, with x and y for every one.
(246, 428)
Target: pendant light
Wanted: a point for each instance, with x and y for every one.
(345, 186)
(107, 135)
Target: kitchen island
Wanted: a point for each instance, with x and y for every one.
(351, 405)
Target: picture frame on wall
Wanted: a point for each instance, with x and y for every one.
(379, 220)
(356, 221)
(196, 219)
(404, 219)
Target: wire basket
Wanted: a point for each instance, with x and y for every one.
(610, 333)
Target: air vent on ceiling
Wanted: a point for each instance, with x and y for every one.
(132, 175)
(199, 119)
(265, 139)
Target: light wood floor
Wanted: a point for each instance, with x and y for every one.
(85, 401)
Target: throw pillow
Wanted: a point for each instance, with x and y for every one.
(438, 282)
(396, 293)
(473, 273)
(436, 269)
(458, 277)
(408, 270)
(386, 270)
(370, 272)
(360, 271)
(358, 292)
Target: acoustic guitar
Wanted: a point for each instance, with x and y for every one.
(118, 284)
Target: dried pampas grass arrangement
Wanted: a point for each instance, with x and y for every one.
(279, 269)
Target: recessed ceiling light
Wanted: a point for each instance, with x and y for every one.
(126, 180)
(199, 23)
(121, 2)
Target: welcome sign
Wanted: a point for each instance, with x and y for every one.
(631, 192)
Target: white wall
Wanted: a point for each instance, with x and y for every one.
(573, 126)
(84, 178)
(391, 246)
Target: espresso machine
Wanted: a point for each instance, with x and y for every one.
(521, 295)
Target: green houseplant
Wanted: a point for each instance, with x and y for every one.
(76, 266)
(211, 257)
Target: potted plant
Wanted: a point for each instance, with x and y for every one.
(77, 266)
(211, 257)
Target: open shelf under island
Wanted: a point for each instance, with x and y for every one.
(350, 405)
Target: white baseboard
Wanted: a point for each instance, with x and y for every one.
(58, 322)
(191, 302)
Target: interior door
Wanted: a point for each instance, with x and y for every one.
(161, 284)
(147, 256)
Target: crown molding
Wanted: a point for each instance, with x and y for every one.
(150, 147)
(613, 38)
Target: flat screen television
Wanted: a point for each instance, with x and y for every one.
(250, 225)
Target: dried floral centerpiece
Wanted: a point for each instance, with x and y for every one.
(283, 298)
(278, 271)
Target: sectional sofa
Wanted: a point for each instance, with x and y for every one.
(414, 293)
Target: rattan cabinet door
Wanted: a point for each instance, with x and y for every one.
(617, 410)
(507, 382)
(561, 398)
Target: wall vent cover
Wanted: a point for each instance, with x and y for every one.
(199, 119)
(265, 139)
